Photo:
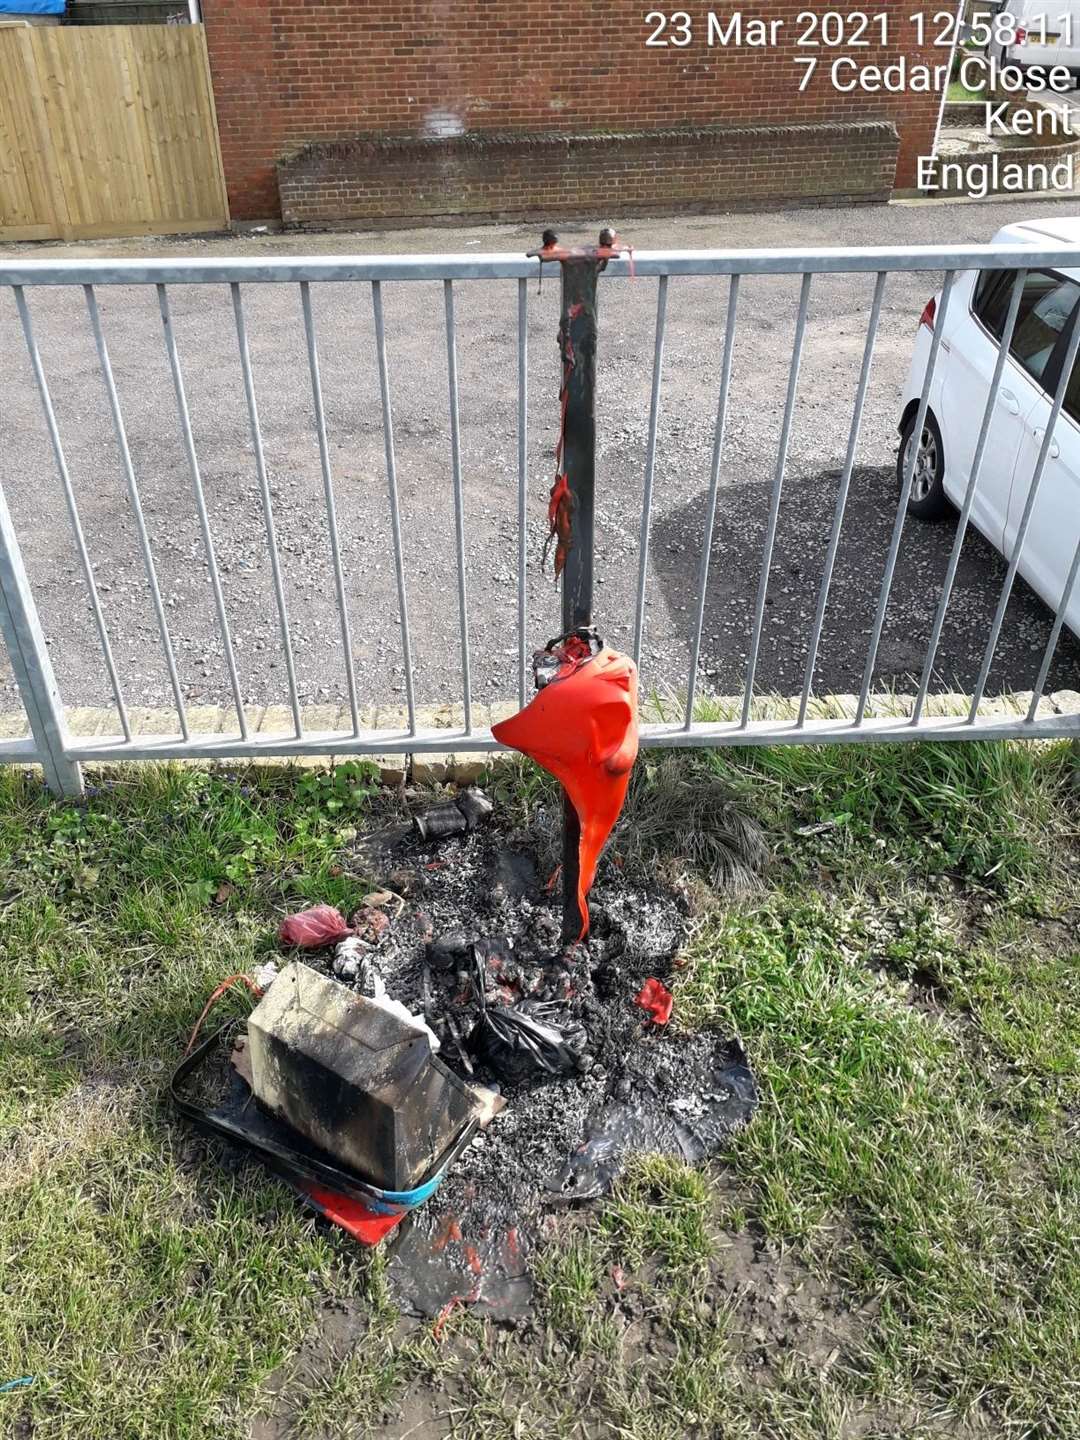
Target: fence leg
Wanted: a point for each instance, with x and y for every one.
(32, 666)
(578, 335)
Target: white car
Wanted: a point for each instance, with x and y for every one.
(974, 321)
(1045, 33)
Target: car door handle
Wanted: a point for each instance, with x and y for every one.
(1010, 402)
(1039, 432)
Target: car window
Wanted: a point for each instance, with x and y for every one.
(1046, 303)
(1039, 323)
(1072, 393)
(991, 302)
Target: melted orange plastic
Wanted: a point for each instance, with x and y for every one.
(560, 507)
(583, 728)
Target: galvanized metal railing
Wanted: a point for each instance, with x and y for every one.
(60, 752)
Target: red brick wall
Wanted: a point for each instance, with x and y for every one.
(289, 72)
(377, 181)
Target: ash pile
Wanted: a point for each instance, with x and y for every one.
(464, 936)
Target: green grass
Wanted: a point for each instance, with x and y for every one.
(958, 91)
(904, 976)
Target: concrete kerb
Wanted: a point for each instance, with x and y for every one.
(462, 767)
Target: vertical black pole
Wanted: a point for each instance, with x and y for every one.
(577, 337)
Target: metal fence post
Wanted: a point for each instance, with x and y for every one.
(577, 334)
(32, 666)
(576, 472)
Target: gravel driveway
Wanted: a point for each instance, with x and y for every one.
(487, 363)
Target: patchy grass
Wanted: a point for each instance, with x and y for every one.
(959, 91)
(683, 815)
(891, 1249)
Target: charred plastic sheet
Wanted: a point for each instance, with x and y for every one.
(656, 1117)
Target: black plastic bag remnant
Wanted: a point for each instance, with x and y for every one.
(690, 1126)
(516, 1041)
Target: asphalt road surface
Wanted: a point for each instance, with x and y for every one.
(486, 315)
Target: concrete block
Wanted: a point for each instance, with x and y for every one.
(431, 767)
(13, 725)
(391, 717)
(472, 769)
(949, 703)
(327, 718)
(393, 769)
(88, 720)
(278, 720)
(501, 710)
(210, 719)
(440, 717)
(836, 707)
(148, 720)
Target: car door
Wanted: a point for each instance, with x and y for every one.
(971, 351)
(1054, 527)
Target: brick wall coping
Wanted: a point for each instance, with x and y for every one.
(374, 142)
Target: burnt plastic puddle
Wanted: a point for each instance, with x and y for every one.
(461, 1248)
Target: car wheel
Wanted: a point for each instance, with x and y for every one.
(927, 500)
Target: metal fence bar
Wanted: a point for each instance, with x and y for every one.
(459, 498)
(200, 504)
(841, 497)
(391, 482)
(1055, 635)
(267, 504)
(523, 478)
(328, 496)
(825, 260)
(72, 505)
(650, 467)
(428, 740)
(136, 505)
(714, 483)
(1029, 506)
(774, 504)
(902, 503)
(30, 662)
(969, 496)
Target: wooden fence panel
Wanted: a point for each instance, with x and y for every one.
(31, 203)
(107, 130)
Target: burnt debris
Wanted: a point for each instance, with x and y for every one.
(450, 1067)
(356, 1077)
(455, 817)
(587, 1073)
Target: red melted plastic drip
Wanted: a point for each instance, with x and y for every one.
(444, 1315)
(561, 501)
(560, 506)
(583, 728)
(450, 1230)
(657, 999)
